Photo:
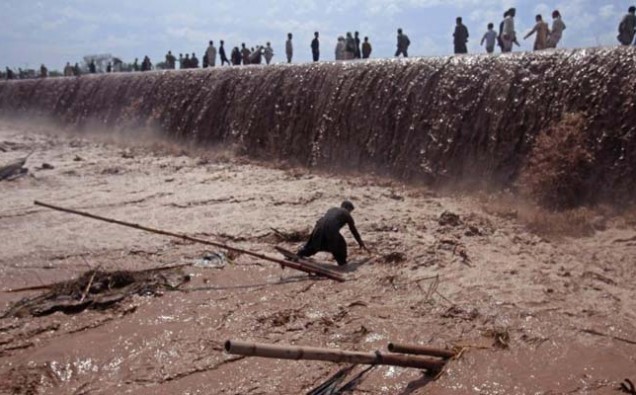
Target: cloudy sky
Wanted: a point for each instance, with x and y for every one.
(56, 31)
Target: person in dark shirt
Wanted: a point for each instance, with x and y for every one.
(403, 44)
(326, 234)
(357, 54)
(236, 56)
(91, 67)
(315, 47)
(223, 55)
(460, 37)
(194, 61)
(366, 48)
(245, 54)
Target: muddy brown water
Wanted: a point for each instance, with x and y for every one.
(437, 120)
(563, 309)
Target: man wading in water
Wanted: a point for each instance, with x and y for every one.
(326, 234)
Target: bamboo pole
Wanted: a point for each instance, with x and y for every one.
(323, 354)
(293, 265)
(420, 350)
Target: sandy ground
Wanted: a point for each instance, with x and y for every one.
(534, 314)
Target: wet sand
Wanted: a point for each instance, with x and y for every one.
(534, 314)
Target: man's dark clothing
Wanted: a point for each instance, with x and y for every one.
(366, 50)
(326, 235)
(315, 49)
(460, 39)
(357, 54)
(403, 43)
(223, 56)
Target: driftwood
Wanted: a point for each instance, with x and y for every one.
(293, 265)
(420, 350)
(291, 237)
(13, 170)
(97, 290)
(323, 354)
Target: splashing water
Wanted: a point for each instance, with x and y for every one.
(433, 120)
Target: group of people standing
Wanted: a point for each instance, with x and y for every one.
(546, 37)
(351, 47)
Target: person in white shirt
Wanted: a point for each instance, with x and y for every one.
(289, 48)
(557, 30)
(508, 34)
(490, 38)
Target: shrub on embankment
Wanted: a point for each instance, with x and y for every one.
(439, 120)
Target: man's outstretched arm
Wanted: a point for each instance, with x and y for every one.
(354, 231)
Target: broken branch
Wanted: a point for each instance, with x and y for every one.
(303, 268)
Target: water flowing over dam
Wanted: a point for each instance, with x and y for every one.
(433, 120)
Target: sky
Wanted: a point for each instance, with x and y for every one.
(56, 31)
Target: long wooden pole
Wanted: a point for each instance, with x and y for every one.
(293, 265)
(420, 350)
(323, 354)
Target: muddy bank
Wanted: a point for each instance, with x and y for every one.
(433, 120)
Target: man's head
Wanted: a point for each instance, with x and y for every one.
(356, 34)
(289, 36)
(243, 45)
(211, 42)
(459, 20)
(512, 12)
(538, 18)
(491, 26)
(316, 34)
(169, 52)
(632, 10)
(222, 42)
(400, 31)
(366, 39)
(347, 205)
(556, 14)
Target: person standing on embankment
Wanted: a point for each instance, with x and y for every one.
(557, 29)
(403, 44)
(460, 37)
(315, 47)
(542, 31)
(627, 27)
(289, 48)
(366, 48)
(490, 38)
